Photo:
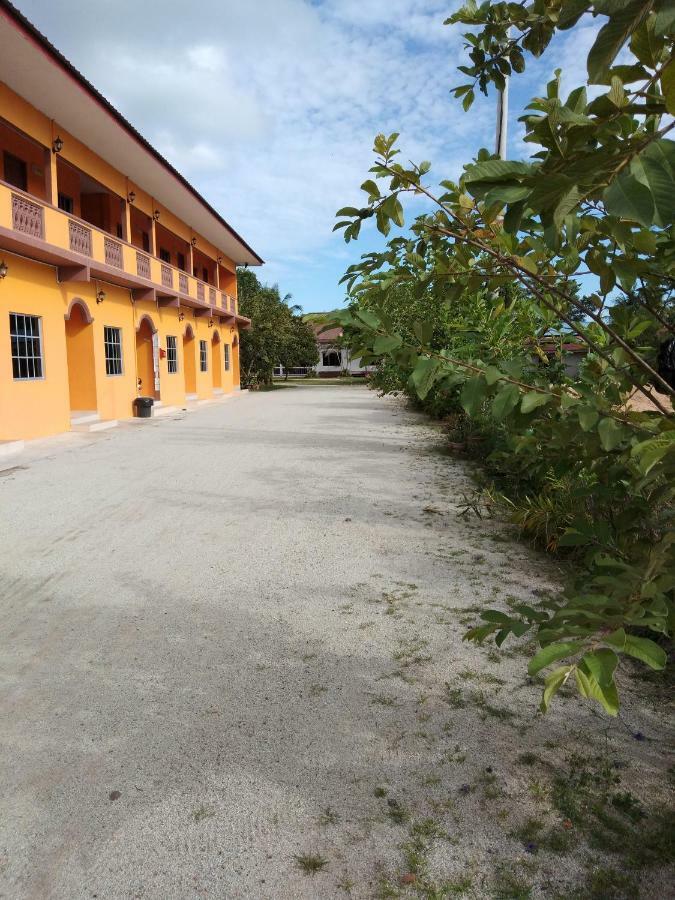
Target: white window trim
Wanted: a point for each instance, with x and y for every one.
(42, 348)
(105, 357)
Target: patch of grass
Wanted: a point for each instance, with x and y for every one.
(535, 836)
(397, 812)
(310, 863)
(380, 791)
(454, 696)
(509, 885)
(203, 812)
(382, 700)
(329, 817)
(613, 821)
(603, 883)
(527, 759)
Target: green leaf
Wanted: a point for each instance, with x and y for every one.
(385, 343)
(368, 318)
(611, 433)
(467, 100)
(668, 86)
(425, 374)
(588, 417)
(601, 664)
(612, 37)
(371, 189)
(423, 331)
(552, 685)
(494, 615)
(589, 686)
(528, 263)
(505, 401)
(533, 400)
(552, 652)
(654, 169)
(347, 211)
(627, 198)
(473, 394)
(492, 375)
(646, 650)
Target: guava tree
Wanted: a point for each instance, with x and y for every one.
(597, 196)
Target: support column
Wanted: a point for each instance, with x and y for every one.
(50, 174)
(127, 216)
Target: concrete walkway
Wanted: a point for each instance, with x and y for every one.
(232, 638)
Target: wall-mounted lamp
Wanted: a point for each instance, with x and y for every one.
(57, 145)
(220, 259)
(100, 296)
(246, 265)
(155, 215)
(131, 196)
(4, 269)
(210, 323)
(194, 242)
(181, 316)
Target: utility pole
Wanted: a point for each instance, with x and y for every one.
(502, 120)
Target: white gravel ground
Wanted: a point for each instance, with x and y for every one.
(222, 631)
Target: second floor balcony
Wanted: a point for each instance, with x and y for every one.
(95, 234)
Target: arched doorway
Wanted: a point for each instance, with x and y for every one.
(235, 360)
(216, 361)
(80, 355)
(146, 357)
(189, 366)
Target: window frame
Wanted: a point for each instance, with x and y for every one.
(226, 357)
(12, 335)
(106, 344)
(171, 352)
(203, 356)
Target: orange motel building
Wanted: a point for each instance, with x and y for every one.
(117, 279)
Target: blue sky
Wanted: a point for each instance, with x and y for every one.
(270, 107)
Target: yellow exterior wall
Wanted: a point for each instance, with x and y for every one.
(75, 376)
(35, 408)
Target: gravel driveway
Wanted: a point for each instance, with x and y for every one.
(232, 653)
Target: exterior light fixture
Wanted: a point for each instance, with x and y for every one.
(181, 316)
(194, 242)
(4, 269)
(131, 196)
(210, 323)
(246, 265)
(220, 259)
(155, 215)
(100, 296)
(57, 145)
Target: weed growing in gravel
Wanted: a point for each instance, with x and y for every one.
(527, 759)
(380, 791)
(329, 817)
(382, 700)
(310, 863)
(203, 812)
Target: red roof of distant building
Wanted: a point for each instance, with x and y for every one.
(326, 335)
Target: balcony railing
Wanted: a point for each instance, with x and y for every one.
(105, 255)
(28, 217)
(143, 266)
(80, 238)
(113, 253)
(167, 276)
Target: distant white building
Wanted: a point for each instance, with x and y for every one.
(334, 360)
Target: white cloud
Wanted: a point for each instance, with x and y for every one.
(269, 107)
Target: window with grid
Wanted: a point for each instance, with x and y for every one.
(25, 333)
(227, 357)
(202, 356)
(171, 354)
(112, 338)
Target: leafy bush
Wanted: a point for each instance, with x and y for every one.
(455, 312)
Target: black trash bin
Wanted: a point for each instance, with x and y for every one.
(143, 407)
